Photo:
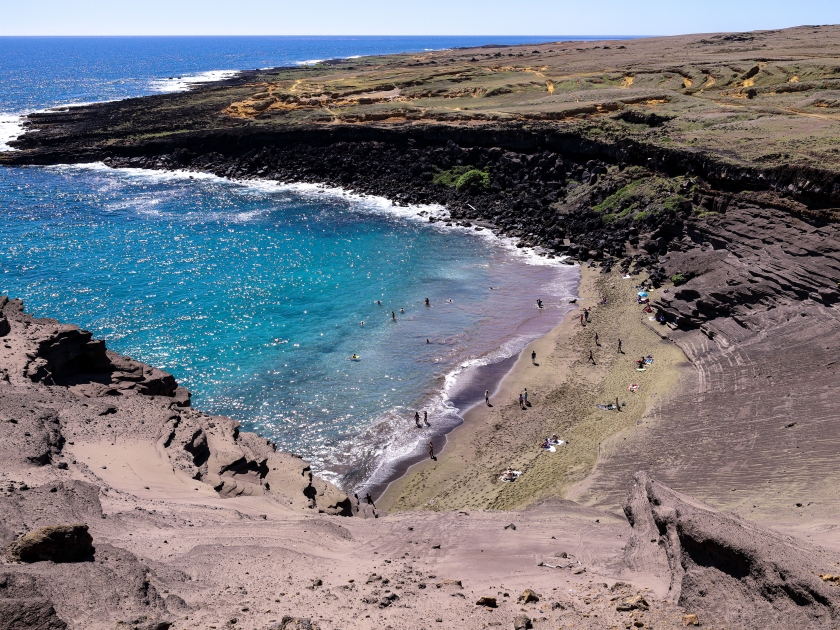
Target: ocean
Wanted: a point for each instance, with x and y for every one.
(254, 294)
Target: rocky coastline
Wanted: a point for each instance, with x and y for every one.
(182, 507)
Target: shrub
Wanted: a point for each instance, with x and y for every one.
(473, 179)
(678, 279)
(462, 177)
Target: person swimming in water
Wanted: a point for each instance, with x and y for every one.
(355, 357)
(427, 302)
(402, 310)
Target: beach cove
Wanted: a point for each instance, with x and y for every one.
(690, 387)
(564, 389)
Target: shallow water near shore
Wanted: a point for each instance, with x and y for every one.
(252, 294)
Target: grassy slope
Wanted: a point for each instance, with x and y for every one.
(769, 97)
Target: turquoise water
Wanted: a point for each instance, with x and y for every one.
(253, 295)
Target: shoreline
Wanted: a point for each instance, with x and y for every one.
(517, 364)
(562, 273)
(564, 389)
(498, 373)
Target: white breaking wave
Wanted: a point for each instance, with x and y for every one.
(183, 83)
(11, 127)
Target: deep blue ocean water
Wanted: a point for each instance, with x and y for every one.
(253, 294)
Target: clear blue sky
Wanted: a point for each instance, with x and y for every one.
(406, 17)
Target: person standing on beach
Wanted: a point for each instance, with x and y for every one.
(417, 419)
(592, 357)
(596, 340)
(432, 451)
(617, 406)
(370, 500)
(426, 418)
(521, 402)
(581, 319)
(619, 347)
(525, 397)
(534, 357)
(487, 397)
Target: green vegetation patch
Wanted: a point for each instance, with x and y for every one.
(463, 177)
(614, 201)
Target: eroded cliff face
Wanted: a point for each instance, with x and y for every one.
(752, 426)
(724, 567)
(59, 385)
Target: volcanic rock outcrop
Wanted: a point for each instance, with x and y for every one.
(733, 571)
(57, 380)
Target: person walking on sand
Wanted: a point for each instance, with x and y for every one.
(534, 357)
(591, 357)
(417, 419)
(581, 319)
(597, 343)
(521, 402)
(426, 418)
(525, 397)
(432, 451)
(586, 313)
(487, 397)
(619, 347)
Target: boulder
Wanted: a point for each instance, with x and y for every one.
(528, 596)
(488, 602)
(637, 602)
(522, 622)
(58, 543)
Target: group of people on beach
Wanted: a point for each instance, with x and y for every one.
(523, 399)
(549, 443)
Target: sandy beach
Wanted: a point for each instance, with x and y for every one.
(564, 389)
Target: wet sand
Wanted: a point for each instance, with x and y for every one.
(564, 388)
